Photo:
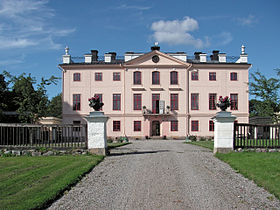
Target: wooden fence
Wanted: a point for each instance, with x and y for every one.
(256, 136)
(55, 136)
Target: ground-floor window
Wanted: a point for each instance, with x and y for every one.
(116, 125)
(194, 125)
(211, 125)
(137, 125)
(174, 125)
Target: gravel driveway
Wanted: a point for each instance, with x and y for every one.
(163, 174)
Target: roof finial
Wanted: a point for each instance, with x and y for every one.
(242, 49)
(156, 43)
(66, 50)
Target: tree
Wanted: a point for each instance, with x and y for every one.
(266, 93)
(30, 103)
(55, 106)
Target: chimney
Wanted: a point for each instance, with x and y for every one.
(197, 55)
(203, 58)
(155, 47)
(222, 57)
(94, 54)
(215, 57)
(110, 57)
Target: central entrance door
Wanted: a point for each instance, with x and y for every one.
(155, 128)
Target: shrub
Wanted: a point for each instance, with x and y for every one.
(202, 139)
(192, 138)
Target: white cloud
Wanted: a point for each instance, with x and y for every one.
(177, 32)
(135, 7)
(28, 23)
(225, 38)
(247, 21)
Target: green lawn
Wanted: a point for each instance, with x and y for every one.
(206, 144)
(263, 168)
(30, 182)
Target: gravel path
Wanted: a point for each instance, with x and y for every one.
(162, 174)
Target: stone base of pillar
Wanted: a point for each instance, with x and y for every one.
(222, 150)
(98, 151)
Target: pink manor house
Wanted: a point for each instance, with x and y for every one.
(155, 94)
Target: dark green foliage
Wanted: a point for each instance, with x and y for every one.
(192, 138)
(267, 100)
(55, 107)
(20, 96)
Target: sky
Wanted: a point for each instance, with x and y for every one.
(34, 33)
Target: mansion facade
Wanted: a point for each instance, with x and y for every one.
(155, 94)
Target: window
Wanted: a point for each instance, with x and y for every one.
(174, 125)
(173, 102)
(212, 76)
(174, 78)
(77, 77)
(116, 125)
(233, 76)
(98, 76)
(212, 101)
(155, 103)
(234, 101)
(137, 78)
(155, 78)
(194, 125)
(211, 125)
(194, 101)
(76, 101)
(116, 76)
(137, 125)
(137, 101)
(194, 75)
(116, 101)
(100, 97)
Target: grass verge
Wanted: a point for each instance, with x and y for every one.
(262, 168)
(118, 144)
(206, 144)
(33, 182)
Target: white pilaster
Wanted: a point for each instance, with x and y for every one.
(223, 134)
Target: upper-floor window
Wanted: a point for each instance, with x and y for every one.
(76, 77)
(116, 101)
(173, 101)
(98, 76)
(174, 78)
(155, 78)
(76, 101)
(137, 101)
(234, 101)
(194, 75)
(155, 103)
(137, 126)
(116, 76)
(212, 101)
(194, 101)
(212, 76)
(137, 78)
(233, 76)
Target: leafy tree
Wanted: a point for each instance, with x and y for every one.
(266, 93)
(55, 106)
(30, 103)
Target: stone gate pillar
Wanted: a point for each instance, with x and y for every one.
(97, 136)
(224, 130)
